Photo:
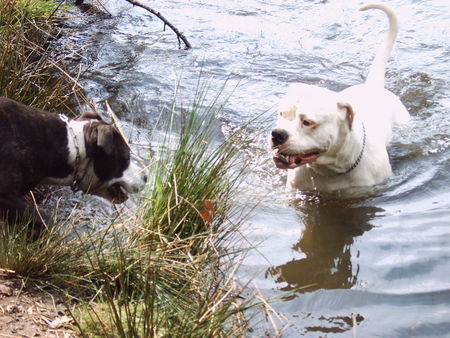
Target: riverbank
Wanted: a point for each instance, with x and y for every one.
(165, 267)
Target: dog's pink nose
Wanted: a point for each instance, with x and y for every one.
(279, 136)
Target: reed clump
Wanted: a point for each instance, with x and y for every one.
(171, 269)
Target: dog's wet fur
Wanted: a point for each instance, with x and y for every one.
(39, 147)
(336, 141)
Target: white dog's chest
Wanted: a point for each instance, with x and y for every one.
(368, 173)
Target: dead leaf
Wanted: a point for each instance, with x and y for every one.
(207, 214)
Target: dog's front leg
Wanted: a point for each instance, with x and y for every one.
(15, 209)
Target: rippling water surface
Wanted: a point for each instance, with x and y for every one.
(372, 267)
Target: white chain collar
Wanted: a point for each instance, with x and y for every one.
(358, 159)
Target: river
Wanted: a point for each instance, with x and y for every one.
(370, 267)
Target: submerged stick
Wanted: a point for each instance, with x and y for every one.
(179, 34)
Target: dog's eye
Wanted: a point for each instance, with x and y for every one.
(307, 123)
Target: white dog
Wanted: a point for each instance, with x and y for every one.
(331, 141)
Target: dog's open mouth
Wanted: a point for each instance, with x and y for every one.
(286, 161)
(116, 193)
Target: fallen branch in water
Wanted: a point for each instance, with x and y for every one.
(179, 34)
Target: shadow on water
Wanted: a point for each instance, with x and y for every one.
(331, 228)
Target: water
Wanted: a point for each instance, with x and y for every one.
(369, 267)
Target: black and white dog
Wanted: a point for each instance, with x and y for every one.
(40, 147)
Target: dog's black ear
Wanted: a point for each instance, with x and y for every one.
(90, 137)
(347, 112)
(105, 138)
(99, 136)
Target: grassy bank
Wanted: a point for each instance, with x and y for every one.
(31, 71)
(166, 269)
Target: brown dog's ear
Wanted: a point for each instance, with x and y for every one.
(105, 138)
(99, 135)
(347, 111)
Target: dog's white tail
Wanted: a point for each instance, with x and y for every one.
(378, 68)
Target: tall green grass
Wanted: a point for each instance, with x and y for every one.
(54, 259)
(30, 70)
(196, 178)
(172, 272)
(169, 268)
